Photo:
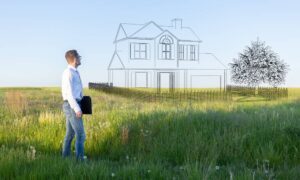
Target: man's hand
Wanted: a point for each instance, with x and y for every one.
(78, 114)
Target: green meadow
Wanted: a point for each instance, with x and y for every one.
(126, 138)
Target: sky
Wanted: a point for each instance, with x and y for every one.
(34, 35)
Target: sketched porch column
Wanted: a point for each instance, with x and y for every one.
(110, 77)
(185, 78)
(155, 79)
(127, 78)
(225, 79)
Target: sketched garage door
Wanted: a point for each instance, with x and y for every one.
(206, 81)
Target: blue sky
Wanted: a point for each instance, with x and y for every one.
(34, 35)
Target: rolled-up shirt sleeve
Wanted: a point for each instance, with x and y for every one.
(69, 92)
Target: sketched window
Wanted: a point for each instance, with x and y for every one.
(166, 43)
(181, 52)
(192, 52)
(138, 51)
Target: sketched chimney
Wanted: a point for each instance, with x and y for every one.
(177, 23)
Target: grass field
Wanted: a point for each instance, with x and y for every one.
(131, 139)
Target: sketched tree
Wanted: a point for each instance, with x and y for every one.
(257, 64)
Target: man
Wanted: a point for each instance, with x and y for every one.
(72, 95)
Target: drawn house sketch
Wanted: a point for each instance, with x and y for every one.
(151, 55)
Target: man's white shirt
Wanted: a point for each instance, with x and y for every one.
(72, 87)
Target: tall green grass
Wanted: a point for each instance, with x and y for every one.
(132, 139)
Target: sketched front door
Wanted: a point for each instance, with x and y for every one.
(166, 80)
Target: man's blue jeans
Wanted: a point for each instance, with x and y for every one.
(74, 126)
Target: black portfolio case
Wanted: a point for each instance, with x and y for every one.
(86, 105)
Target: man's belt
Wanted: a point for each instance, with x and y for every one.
(85, 104)
(78, 100)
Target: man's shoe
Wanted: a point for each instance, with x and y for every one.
(85, 158)
(82, 159)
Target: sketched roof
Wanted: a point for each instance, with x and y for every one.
(151, 30)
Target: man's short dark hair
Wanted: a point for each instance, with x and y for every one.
(71, 54)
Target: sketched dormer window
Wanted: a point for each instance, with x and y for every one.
(166, 43)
